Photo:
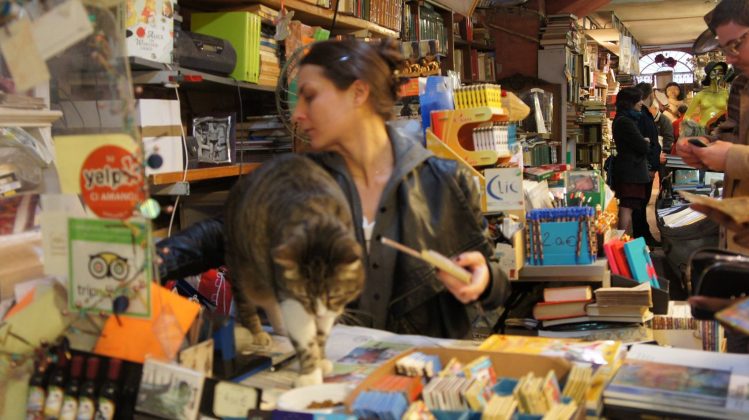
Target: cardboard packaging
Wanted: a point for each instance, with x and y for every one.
(161, 128)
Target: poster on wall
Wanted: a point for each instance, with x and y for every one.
(108, 266)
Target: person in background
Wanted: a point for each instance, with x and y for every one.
(730, 153)
(631, 178)
(649, 130)
(676, 125)
(396, 189)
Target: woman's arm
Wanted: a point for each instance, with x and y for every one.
(192, 251)
(489, 284)
(629, 136)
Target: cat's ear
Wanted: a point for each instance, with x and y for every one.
(283, 255)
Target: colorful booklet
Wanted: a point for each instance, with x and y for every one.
(640, 264)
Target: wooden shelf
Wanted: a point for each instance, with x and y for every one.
(13, 117)
(309, 14)
(203, 174)
(475, 45)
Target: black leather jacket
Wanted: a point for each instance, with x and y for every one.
(429, 203)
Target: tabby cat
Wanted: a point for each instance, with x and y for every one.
(291, 249)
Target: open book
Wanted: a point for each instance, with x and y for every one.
(737, 208)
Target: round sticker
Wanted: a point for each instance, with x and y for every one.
(112, 182)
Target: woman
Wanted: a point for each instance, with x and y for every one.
(396, 188)
(631, 178)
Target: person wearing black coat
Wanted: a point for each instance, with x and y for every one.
(649, 129)
(631, 175)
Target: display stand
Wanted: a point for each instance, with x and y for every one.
(455, 128)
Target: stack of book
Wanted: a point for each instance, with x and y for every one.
(270, 67)
(561, 30)
(619, 305)
(593, 112)
(261, 137)
(562, 304)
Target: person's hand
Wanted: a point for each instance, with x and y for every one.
(714, 156)
(663, 158)
(474, 262)
(687, 152)
(711, 304)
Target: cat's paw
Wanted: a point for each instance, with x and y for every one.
(312, 378)
(262, 339)
(325, 365)
(243, 339)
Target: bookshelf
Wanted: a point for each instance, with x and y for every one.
(308, 13)
(474, 52)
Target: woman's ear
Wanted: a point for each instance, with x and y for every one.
(360, 91)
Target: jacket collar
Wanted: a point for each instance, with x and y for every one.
(407, 150)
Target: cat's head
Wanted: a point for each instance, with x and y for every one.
(321, 264)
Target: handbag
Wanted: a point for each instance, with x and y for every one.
(717, 273)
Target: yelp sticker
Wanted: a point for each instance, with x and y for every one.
(112, 182)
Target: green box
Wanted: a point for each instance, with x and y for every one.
(242, 30)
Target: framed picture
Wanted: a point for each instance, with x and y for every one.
(169, 391)
(582, 181)
(214, 138)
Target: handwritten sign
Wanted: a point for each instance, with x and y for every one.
(560, 242)
(504, 189)
(232, 400)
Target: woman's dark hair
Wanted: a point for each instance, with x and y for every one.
(645, 88)
(682, 109)
(726, 11)
(680, 96)
(709, 67)
(375, 63)
(627, 98)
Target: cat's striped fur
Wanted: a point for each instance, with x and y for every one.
(291, 250)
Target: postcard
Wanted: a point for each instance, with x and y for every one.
(169, 390)
(374, 353)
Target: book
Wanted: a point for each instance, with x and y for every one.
(647, 316)
(735, 316)
(680, 381)
(556, 310)
(639, 295)
(621, 259)
(596, 309)
(608, 249)
(733, 208)
(640, 264)
(567, 294)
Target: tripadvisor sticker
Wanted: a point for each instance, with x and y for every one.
(112, 182)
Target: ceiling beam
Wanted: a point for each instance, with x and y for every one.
(579, 8)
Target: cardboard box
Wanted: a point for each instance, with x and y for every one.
(161, 129)
(242, 30)
(512, 365)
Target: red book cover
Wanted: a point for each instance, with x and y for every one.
(608, 248)
(621, 259)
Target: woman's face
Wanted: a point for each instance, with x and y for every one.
(716, 73)
(638, 106)
(324, 112)
(673, 92)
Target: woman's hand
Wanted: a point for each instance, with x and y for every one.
(474, 262)
(714, 156)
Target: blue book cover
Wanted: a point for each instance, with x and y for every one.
(640, 264)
